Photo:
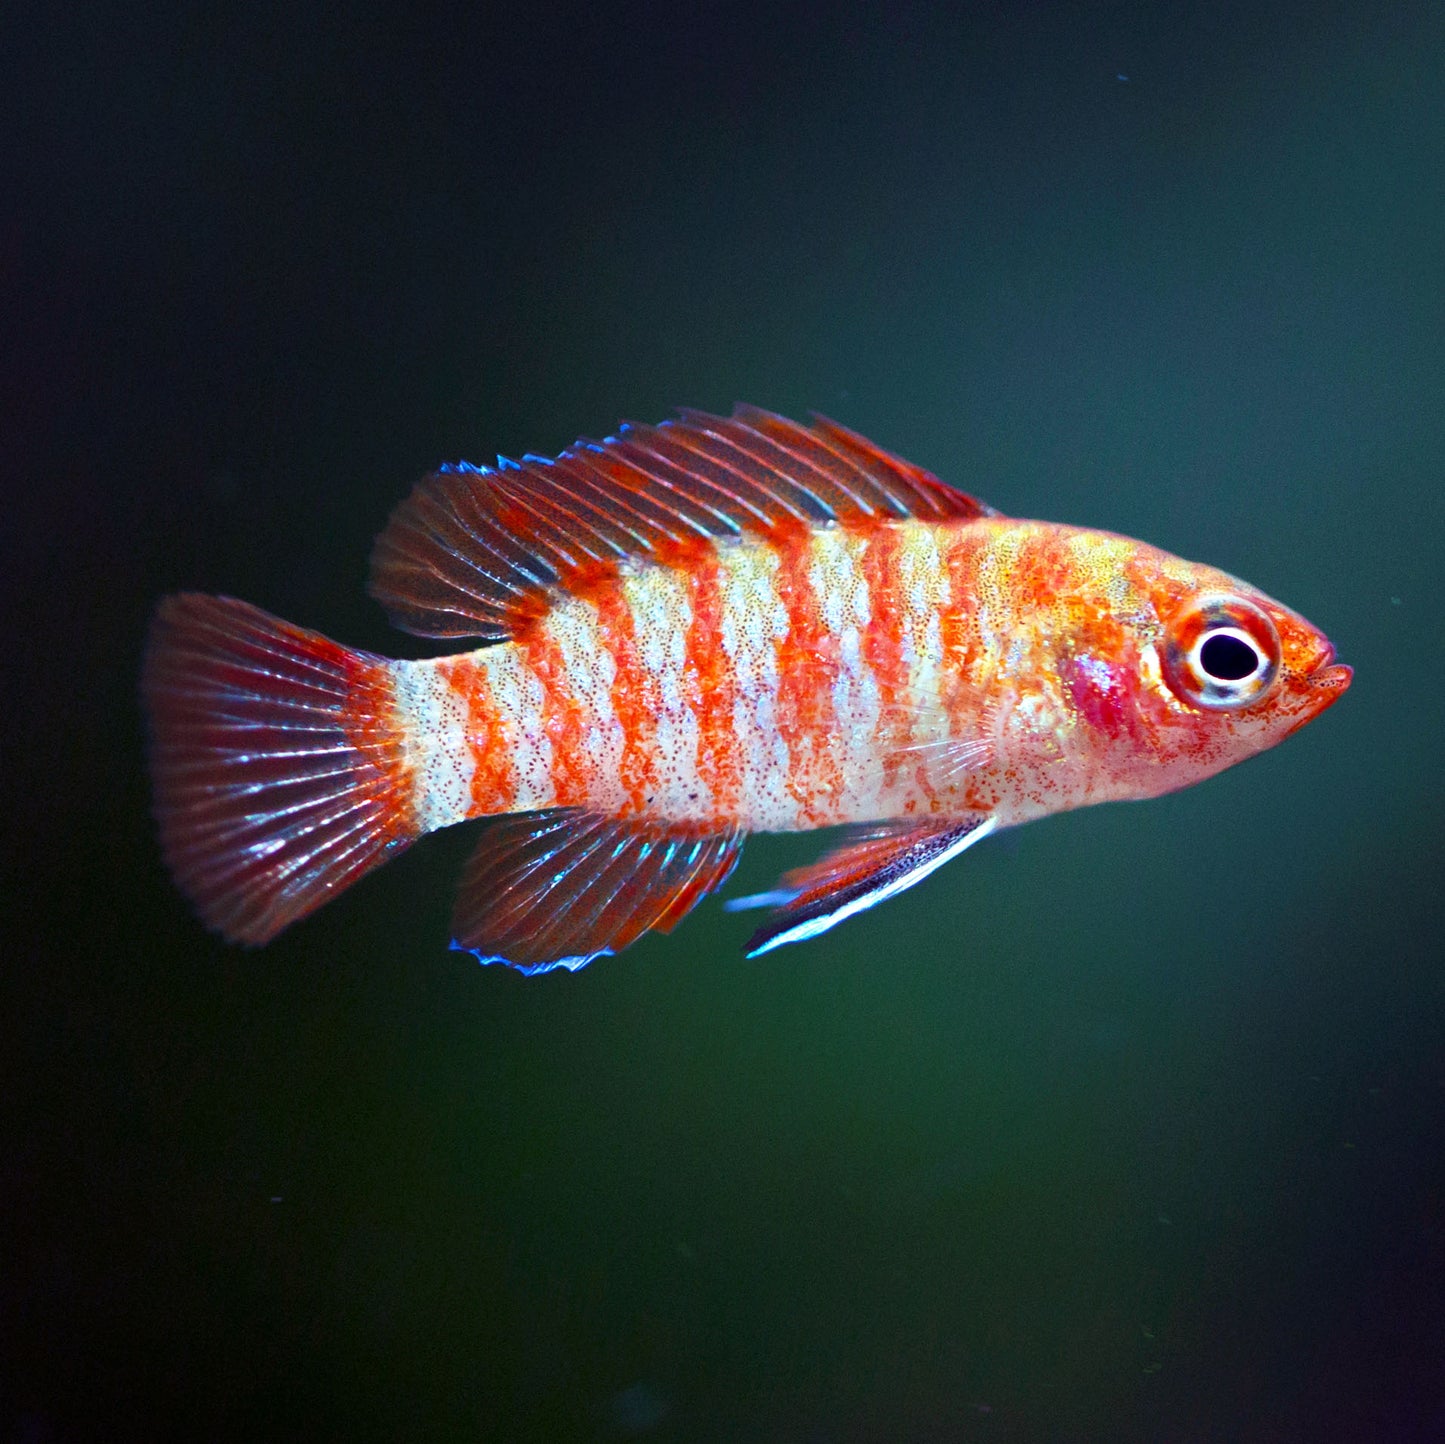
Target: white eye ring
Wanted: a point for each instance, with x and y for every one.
(1234, 622)
(1226, 691)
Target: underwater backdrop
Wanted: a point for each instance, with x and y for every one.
(1130, 1125)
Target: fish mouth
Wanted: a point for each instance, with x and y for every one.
(1321, 685)
(1325, 683)
(1327, 673)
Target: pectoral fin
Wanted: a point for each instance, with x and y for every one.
(871, 867)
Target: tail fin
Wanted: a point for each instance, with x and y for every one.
(279, 772)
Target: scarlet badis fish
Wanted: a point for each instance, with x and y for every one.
(688, 633)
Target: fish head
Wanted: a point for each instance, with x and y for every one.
(1225, 671)
(1168, 671)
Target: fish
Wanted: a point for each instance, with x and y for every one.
(681, 635)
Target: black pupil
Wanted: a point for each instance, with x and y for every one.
(1227, 659)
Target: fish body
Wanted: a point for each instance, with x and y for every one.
(691, 633)
(904, 669)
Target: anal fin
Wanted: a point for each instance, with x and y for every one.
(874, 865)
(556, 889)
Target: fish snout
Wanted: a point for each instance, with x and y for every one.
(1320, 686)
(1327, 673)
(1321, 671)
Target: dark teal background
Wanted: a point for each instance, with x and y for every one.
(1127, 1126)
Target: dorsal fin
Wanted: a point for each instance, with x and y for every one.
(473, 552)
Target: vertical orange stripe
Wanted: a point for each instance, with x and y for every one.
(807, 668)
(964, 689)
(958, 619)
(634, 692)
(713, 683)
(881, 643)
(494, 781)
(969, 690)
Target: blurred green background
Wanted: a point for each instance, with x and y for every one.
(1127, 1126)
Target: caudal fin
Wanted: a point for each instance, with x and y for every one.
(279, 771)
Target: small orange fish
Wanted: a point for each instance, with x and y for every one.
(691, 632)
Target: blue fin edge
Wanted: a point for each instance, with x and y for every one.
(578, 960)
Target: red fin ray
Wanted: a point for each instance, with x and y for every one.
(279, 777)
(557, 889)
(915, 491)
(475, 552)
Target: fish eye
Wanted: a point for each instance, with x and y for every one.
(1228, 656)
(1221, 653)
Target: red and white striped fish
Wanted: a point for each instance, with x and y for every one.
(689, 633)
